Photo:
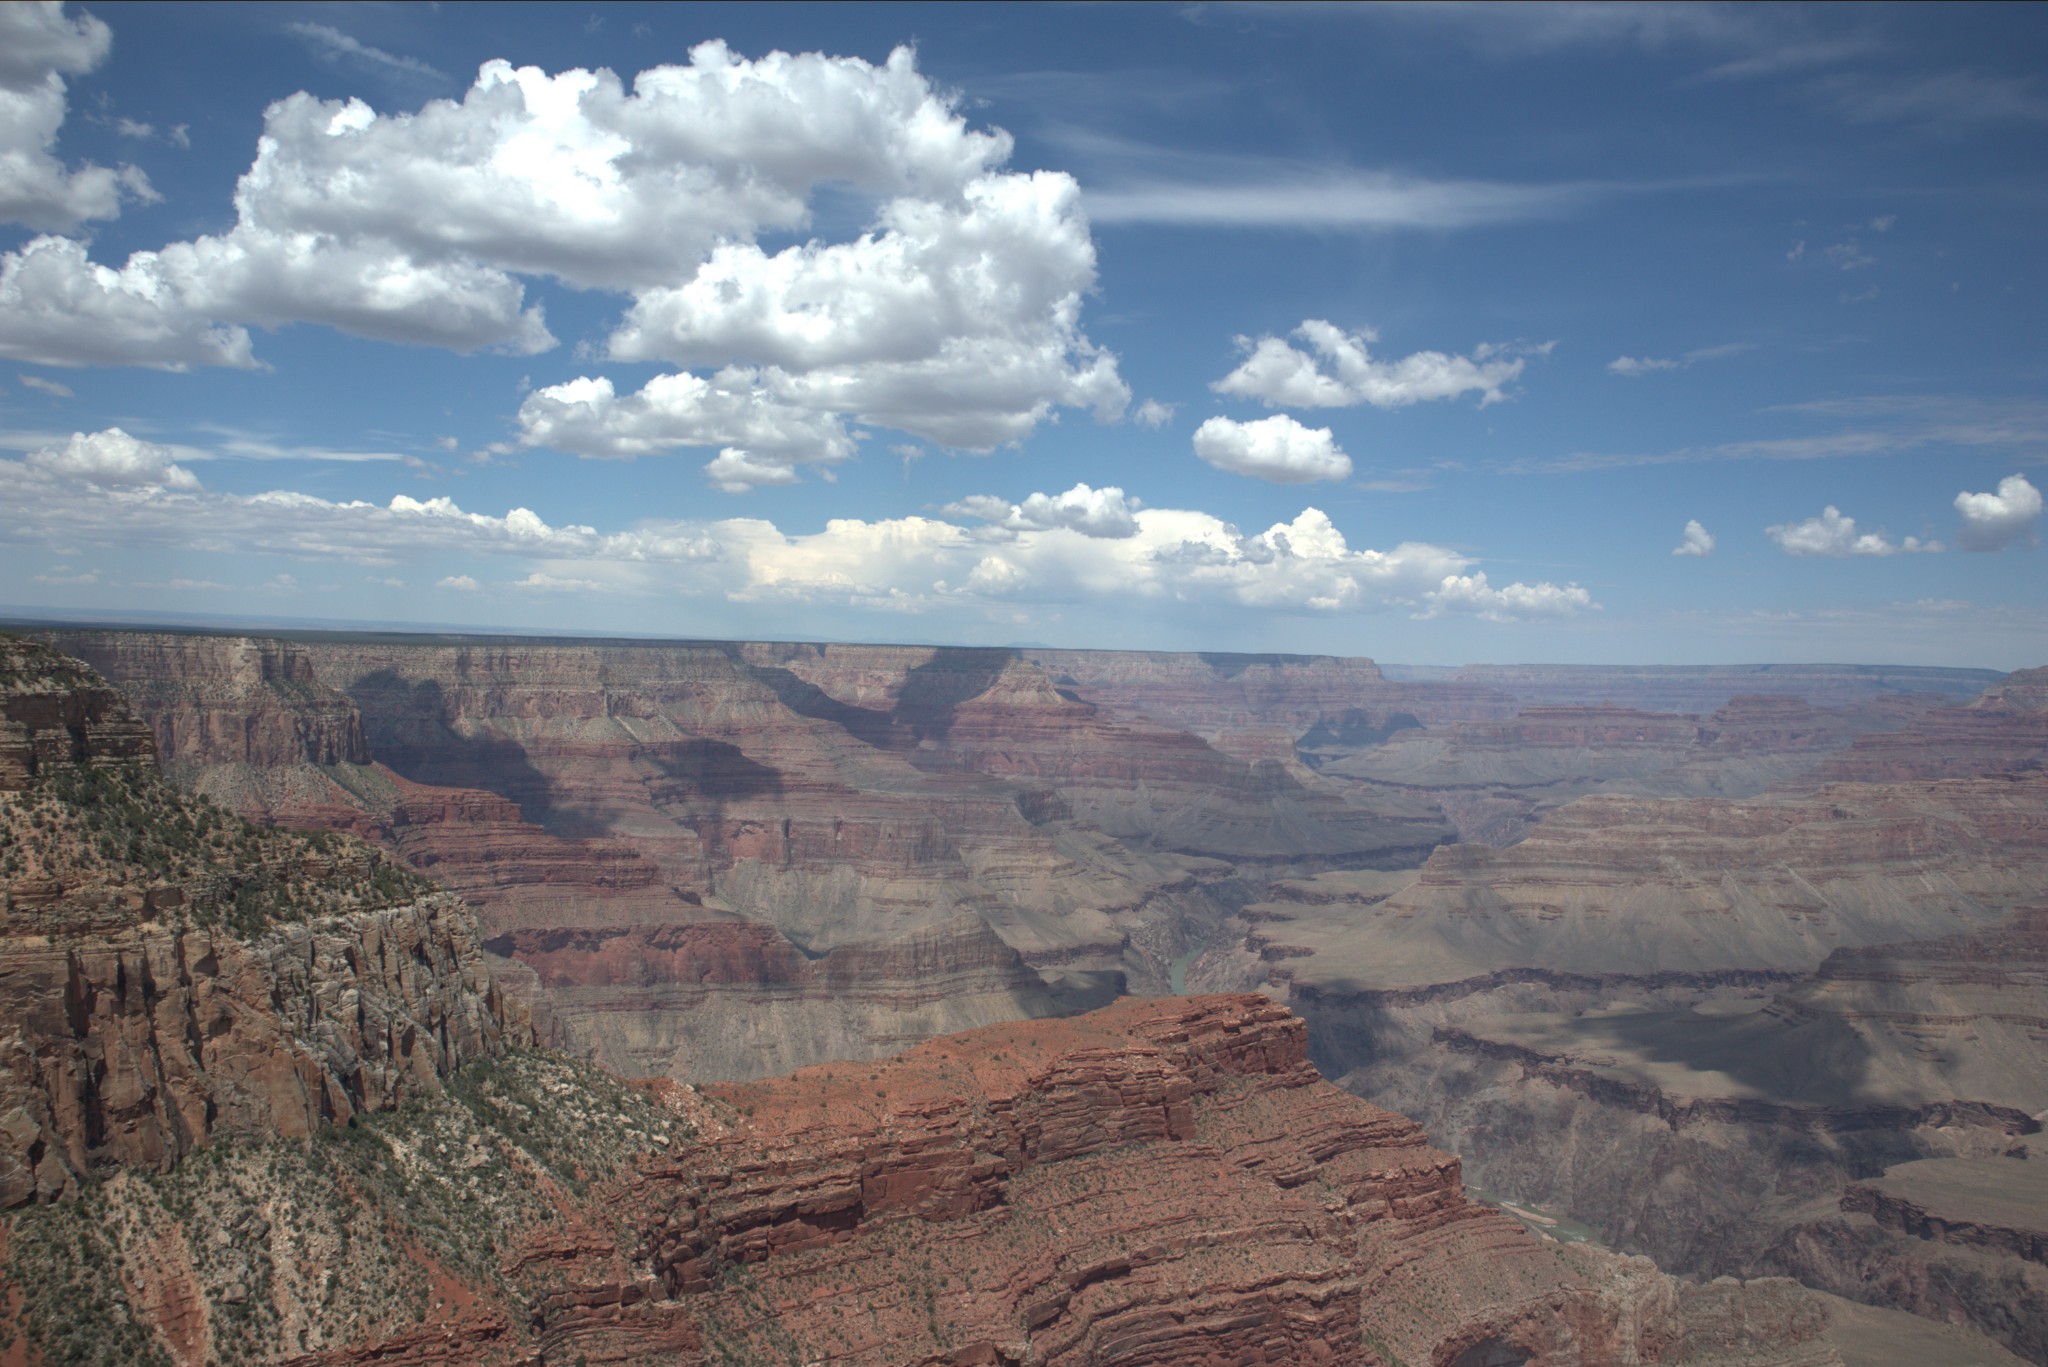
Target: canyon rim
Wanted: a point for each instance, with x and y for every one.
(1009, 686)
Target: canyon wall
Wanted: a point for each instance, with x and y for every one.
(1159, 1182)
(170, 980)
(840, 800)
(1714, 1030)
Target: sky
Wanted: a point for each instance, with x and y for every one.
(1438, 334)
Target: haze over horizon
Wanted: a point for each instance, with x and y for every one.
(1583, 334)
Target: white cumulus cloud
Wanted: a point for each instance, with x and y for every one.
(1276, 448)
(57, 307)
(38, 44)
(114, 459)
(1696, 540)
(1471, 593)
(460, 582)
(1996, 520)
(1107, 512)
(1834, 534)
(761, 437)
(953, 316)
(1085, 545)
(1337, 370)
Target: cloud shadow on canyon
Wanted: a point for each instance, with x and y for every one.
(408, 729)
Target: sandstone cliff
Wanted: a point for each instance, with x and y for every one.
(845, 798)
(170, 977)
(1162, 1182)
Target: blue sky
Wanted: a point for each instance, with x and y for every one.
(1437, 334)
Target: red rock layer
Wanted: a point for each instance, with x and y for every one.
(227, 699)
(2004, 731)
(1225, 693)
(1161, 1182)
(55, 713)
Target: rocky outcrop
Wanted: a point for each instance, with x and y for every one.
(1160, 1182)
(2003, 731)
(214, 700)
(55, 713)
(1866, 1128)
(169, 978)
(2010, 1232)
(140, 1048)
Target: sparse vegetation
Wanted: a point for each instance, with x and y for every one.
(123, 826)
(304, 1245)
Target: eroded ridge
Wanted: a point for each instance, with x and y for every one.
(170, 975)
(1164, 1181)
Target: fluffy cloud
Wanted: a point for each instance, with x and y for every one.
(1084, 545)
(37, 45)
(1994, 521)
(1471, 593)
(954, 317)
(763, 438)
(460, 582)
(1091, 512)
(1697, 540)
(1640, 365)
(59, 308)
(114, 459)
(1276, 448)
(1835, 535)
(1341, 372)
(956, 321)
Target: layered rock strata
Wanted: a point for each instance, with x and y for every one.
(733, 999)
(1704, 688)
(169, 979)
(843, 797)
(1496, 778)
(1161, 1182)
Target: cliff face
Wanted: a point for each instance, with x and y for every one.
(54, 713)
(1160, 1182)
(1712, 1029)
(842, 797)
(171, 978)
(1704, 688)
(139, 1048)
(733, 999)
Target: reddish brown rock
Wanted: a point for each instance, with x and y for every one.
(1161, 1182)
(54, 711)
(2003, 731)
(140, 1026)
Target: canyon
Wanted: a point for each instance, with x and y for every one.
(1739, 967)
(266, 1102)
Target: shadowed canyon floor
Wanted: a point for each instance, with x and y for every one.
(1717, 961)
